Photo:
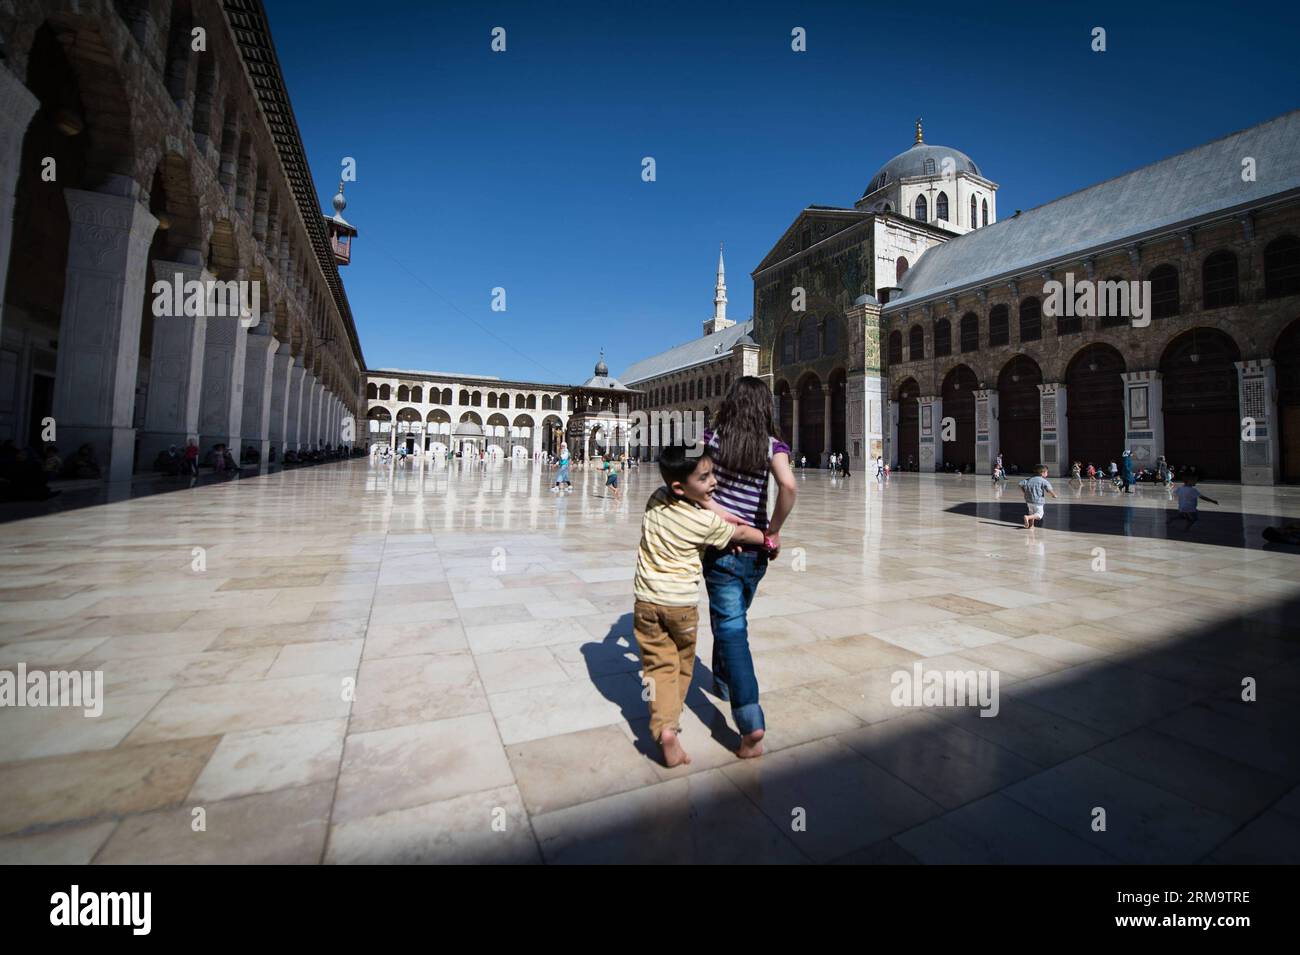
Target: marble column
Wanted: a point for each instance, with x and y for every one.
(259, 367)
(931, 448)
(987, 446)
(281, 362)
(1144, 420)
(175, 371)
(1261, 449)
(826, 427)
(17, 107)
(222, 405)
(1054, 435)
(99, 331)
(293, 406)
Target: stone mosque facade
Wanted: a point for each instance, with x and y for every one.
(141, 140)
(913, 325)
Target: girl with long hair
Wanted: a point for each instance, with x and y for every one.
(746, 449)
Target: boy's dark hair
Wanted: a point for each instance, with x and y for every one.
(674, 465)
(1041, 467)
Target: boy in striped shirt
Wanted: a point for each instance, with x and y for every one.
(676, 528)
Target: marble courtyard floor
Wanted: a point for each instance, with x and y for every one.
(497, 714)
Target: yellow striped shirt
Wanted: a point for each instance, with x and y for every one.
(674, 532)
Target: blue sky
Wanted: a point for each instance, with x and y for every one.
(522, 169)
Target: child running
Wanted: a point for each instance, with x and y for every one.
(676, 529)
(1035, 489)
(1188, 495)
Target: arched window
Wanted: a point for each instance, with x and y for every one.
(417, 394)
(921, 209)
(1219, 280)
(464, 397)
(546, 402)
(1281, 267)
(372, 392)
(690, 391)
(808, 338)
(895, 348)
(834, 337)
(708, 387)
(999, 325)
(985, 204)
(385, 392)
(970, 332)
(492, 400)
(942, 338)
(941, 207)
(1031, 320)
(477, 399)
(787, 347)
(915, 344)
(717, 384)
(446, 396)
(974, 212)
(900, 267)
(403, 393)
(1164, 291)
(532, 402)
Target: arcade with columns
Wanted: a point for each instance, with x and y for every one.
(129, 158)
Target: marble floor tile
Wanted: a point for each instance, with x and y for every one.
(417, 763)
(435, 665)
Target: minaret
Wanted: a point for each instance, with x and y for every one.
(341, 231)
(719, 320)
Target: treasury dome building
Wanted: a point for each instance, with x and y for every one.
(918, 327)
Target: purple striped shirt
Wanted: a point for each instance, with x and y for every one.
(743, 493)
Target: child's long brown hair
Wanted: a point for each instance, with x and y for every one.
(745, 423)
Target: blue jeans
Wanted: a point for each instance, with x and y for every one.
(731, 580)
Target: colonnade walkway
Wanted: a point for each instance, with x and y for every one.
(362, 662)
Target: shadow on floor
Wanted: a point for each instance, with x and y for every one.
(616, 653)
(1222, 528)
(1156, 737)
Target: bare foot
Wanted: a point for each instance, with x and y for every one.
(674, 755)
(751, 745)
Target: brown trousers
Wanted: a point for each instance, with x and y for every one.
(666, 636)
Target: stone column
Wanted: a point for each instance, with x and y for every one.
(826, 427)
(987, 447)
(17, 107)
(281, 362)
(304, 421)
(222, 405)
(890, 450)
(99, 331)
(175, 371)
(794, 428)
(293, 407)
(1261, 450)
(931, 448)
(259, 367)
(1144, 421)
(1054, 434)
(317, 409)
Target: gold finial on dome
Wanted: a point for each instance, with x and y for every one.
(918, 130)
